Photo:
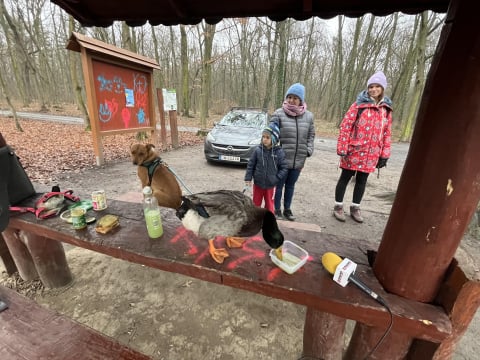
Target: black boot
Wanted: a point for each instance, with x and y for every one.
(278, 214)
(287, 213)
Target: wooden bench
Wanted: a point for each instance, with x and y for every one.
(249, 268)
(30, 331)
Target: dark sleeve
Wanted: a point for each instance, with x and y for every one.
(282, 164)
(252, 162)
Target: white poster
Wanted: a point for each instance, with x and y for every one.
(169, 99)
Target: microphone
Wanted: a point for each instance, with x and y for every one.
(343, 272)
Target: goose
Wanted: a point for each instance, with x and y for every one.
(231, 214)
(227, 213)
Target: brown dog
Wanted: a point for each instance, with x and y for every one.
(164, 184)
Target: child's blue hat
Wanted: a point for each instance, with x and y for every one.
(274, 132)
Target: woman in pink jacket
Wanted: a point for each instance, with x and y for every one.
(363, 143)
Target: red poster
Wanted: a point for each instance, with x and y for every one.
(122, 96)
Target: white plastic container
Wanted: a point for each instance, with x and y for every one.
(294, 257)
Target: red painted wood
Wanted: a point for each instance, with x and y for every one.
(21, 256)
(6, 257)
(29, 331)
(323, 335)
(49, 259)
(439, 189)
(248, 268)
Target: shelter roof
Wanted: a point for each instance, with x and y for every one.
(173, 12)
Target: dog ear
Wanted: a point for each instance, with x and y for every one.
(133, 147)
(150, 147)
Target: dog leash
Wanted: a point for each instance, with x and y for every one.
(152, 165)
(178, 178)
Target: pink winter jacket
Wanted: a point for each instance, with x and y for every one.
(362, 142)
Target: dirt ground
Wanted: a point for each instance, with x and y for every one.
(169, 316)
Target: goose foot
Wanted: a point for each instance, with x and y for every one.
(234, 242)
(218, 255)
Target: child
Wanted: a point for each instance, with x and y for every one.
(267, 166)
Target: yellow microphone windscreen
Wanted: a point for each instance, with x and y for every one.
(330, 261)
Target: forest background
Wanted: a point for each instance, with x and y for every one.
(236, 62)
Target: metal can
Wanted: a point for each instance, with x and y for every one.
(78, 218)
(99, 200)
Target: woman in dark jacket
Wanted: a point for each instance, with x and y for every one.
(297, 135)
(267, 166)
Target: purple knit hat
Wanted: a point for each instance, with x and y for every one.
(378, 78)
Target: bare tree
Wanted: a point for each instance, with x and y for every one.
(208, 35)
(185, 107)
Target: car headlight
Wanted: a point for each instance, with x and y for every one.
(210, 137)
(255, 141)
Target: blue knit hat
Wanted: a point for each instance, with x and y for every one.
(274, 132)
(296, 89)
(378, 78)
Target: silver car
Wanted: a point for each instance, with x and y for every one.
(234, 138)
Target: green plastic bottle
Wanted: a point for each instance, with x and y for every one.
(151, 210)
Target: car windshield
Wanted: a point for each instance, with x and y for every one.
(244, 119)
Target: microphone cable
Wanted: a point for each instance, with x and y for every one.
(387, 331)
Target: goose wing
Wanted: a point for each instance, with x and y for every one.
(230, 203)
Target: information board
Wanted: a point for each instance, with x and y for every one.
(122, 97)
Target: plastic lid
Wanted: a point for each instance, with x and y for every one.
(147, 190)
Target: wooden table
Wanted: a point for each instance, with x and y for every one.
(249, 268)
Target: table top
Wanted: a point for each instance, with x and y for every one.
(250, 267)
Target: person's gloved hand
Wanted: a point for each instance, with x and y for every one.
(382, 162)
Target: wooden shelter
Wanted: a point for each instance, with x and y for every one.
(440, 185)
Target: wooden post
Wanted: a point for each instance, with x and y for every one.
(49, 259)
(163, 128)
(20, 254)
(439, 190)
(323, 335)
(10, 266)
(172, 115)
(364, 338)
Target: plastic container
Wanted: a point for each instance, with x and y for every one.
(294, 257)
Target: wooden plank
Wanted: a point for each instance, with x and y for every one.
(250, 268)
(29, 331)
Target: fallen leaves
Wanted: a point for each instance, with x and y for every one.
(47, 148)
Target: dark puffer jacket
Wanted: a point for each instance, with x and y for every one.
(266, 166)
(297, 136)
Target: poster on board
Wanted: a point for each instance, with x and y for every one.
(169, 99)
(122, 97)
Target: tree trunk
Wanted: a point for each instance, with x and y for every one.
(77, 87)
(184, 59)
(208, 33)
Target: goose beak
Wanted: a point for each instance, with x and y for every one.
(279, 253)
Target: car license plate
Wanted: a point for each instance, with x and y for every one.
(229, 158)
